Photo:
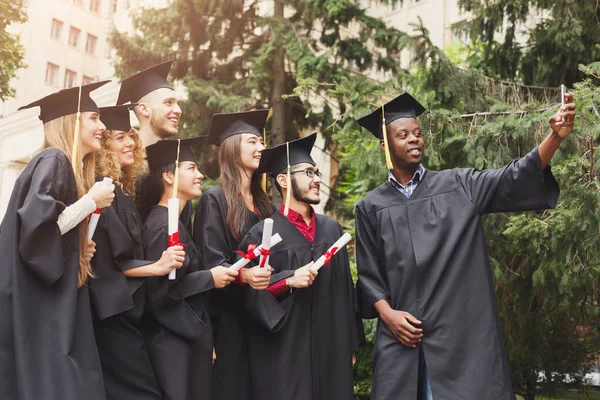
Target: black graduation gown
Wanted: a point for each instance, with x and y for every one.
(179, 331)
(47, 345)
(118, 303)
(217, 247)
(301, 344)
(427, 255)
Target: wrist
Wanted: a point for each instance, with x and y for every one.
(242, 276)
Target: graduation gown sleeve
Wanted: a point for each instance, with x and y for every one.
(112, 291)
(172, 302)
(522, 185)
(40, 235)
(372, 285)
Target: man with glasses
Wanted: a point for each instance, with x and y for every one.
(303, 331)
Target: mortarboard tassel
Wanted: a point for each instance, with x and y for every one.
(388, 158)
(288, 193)
(75, 149)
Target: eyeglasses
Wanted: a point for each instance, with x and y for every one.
(309, 172)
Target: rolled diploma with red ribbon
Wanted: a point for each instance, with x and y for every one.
(253, 253)
(324, 259)
(93, 223)
(266, 241)
(173, 227)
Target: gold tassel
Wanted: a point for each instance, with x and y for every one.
(176, 178)
(388, 158)
(75, 149)
(288, 193)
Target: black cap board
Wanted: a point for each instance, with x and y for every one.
(164, 152)
(116, 118)
(138, 85)
(403, 106)
(229, 124)
(274, 159)
(66, 101)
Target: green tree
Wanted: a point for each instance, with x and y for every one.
(238, 54)
(560, 35)
(11, 51)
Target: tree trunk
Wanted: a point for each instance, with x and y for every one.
(278, 118)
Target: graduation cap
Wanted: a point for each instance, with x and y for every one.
(228, 124)
(116, 118)
(66, 102)
(280, 158)
(167, 151)
(403, 106)
(138, 85)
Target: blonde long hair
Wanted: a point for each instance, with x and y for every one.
(59, 134)
(107, 163)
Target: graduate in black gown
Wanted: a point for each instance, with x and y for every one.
(179, 330)
(224, 215)
(302, 342)
(47, 345)
(118, 294)
(423, 265)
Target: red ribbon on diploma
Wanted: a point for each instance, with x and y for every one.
(174, 240)
(329, 254)
(250, 254)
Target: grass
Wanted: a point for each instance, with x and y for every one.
(587, 395)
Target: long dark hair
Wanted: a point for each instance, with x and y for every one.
(150, 189)
(231, 181)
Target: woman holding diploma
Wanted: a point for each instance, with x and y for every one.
(178, 330)
(47, 346)
(118, 294)
(302, 341)
(224, 215)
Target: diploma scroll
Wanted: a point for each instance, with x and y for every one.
(173, 227)
(253, 253)
(266, 242)
(96, 214)
(325, 258)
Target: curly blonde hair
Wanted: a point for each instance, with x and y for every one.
(107, 163)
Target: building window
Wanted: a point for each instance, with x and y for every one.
(90, 45)
(51, 74)
(95, 6)
(113, 6)
(56, 31)
(70, 78)
(74, 36)
(86, 80)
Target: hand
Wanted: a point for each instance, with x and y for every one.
(172, 258)
(258, 278)
(90, 251)
(214, 356)
(560, 127)
(102, 194)
(353, 359)
(402, 326)
(223, 276)
(303, 277)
